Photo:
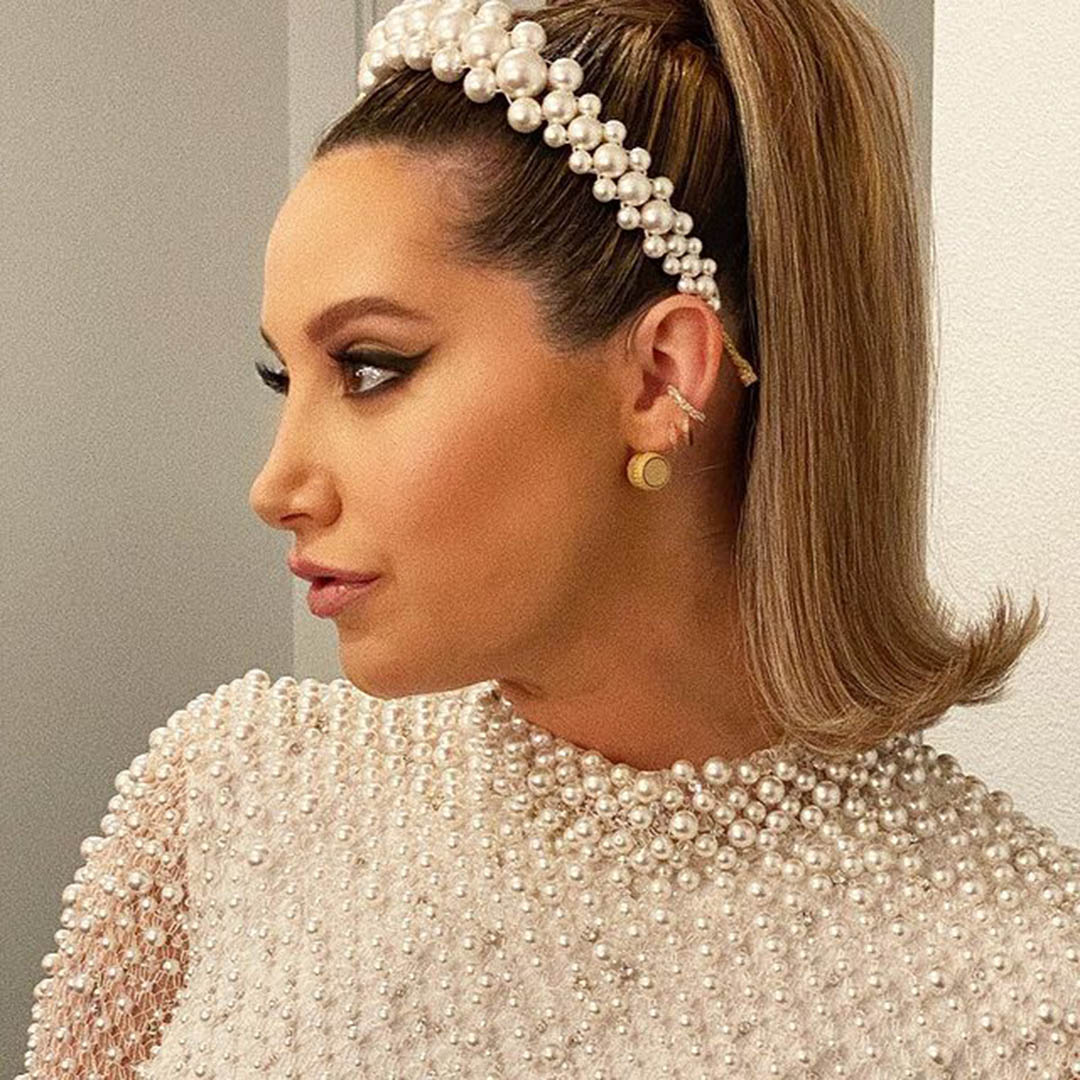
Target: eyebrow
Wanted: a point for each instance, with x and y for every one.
(323, 324)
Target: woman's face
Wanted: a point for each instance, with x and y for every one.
(482, 486)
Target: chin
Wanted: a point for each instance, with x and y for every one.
(384, 681)
(377, 687)
(393, 681)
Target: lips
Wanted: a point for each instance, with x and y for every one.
(319, 573)
(329, 596)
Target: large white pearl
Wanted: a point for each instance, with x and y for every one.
(528, 34)
(524, 115)
(565, 74)
(495, 12)
(447, 66)
(657, 216)
(585, 131)
(394, 25)
(448, 27)
(521, 73)
(580, 161)
(560, 106)
(376, 38)
(611, 160)
(604, 188)
(417, 54)
(555, 135)
(480, 85)
(419, 18)
(634, 188)
(653, 246)
(484, 42)
(614, 131)
(377, 64)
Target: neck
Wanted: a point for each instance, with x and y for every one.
(651, 676)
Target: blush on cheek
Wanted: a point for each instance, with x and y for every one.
(463, 531)
(483, 517)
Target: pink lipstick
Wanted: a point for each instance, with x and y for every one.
(328, 597)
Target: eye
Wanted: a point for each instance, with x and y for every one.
(375, 377)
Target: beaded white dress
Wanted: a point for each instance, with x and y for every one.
(301, 881)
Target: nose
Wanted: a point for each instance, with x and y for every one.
(291, 482)
(262, 501)
(276, 499)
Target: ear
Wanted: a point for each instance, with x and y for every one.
(678, 341)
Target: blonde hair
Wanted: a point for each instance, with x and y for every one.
(786, 130)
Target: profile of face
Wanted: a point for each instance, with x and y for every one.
(479, 473)
(467, 473)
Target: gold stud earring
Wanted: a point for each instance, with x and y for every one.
(648, 470)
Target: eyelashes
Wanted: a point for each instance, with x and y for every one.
(388, 368)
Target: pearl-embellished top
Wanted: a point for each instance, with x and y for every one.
(301, 881)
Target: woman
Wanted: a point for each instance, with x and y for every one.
(628, 773)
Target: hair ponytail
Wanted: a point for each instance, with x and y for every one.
(847, 640)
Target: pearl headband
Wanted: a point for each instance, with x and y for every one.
(449, 36)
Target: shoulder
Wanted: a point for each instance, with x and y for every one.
(288, 724)
(1000, 915)
(984, 846)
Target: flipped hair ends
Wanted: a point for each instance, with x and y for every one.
(786, 128)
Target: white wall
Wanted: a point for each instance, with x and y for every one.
(1006, 133)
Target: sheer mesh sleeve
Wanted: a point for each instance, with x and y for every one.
(122, 947)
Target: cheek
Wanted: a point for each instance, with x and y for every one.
(491, 513)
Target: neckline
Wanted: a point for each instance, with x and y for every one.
(681, 826)
(715, 770)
